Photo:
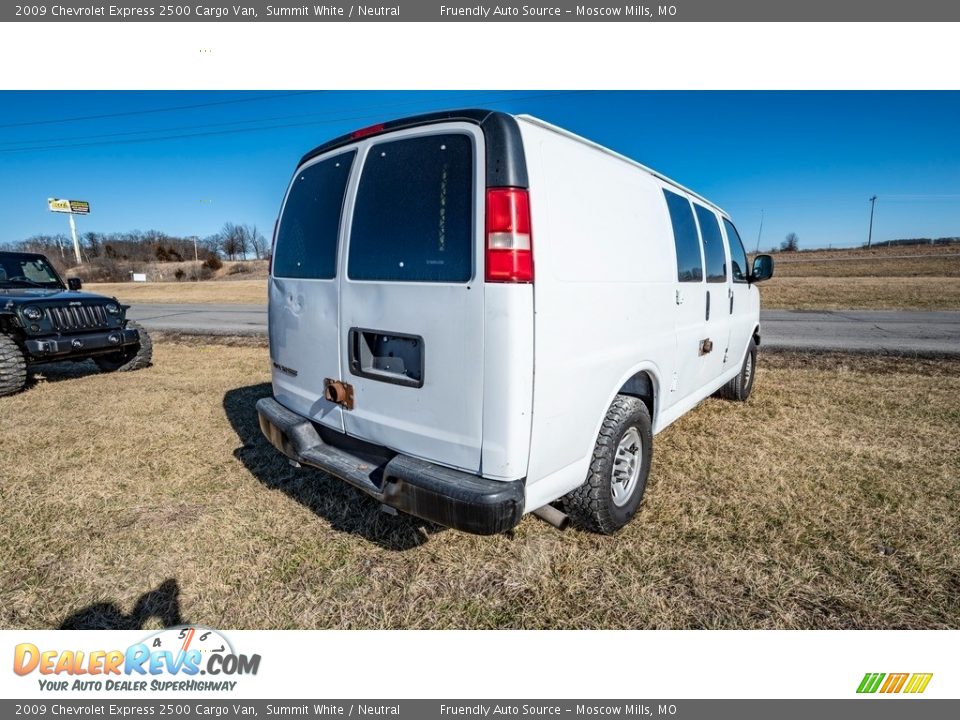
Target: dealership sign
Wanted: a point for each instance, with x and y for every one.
(76, 207)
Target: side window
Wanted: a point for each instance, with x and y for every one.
(310, 225)
(712, 245)
(686, 242)
(738, 257)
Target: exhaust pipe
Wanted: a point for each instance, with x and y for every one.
(550, 514)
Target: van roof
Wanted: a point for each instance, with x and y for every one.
(506, 165)
(597, 146)
(502, 137)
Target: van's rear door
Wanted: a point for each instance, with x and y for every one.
(412, 294)
(305, 287)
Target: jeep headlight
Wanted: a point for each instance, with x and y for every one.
(32, 313)
(112, 308)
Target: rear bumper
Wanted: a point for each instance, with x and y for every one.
(81, 344)
(448, 497)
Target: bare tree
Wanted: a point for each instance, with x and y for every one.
(258, 243)
(791, 243)
(234, 240)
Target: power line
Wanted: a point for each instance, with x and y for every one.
(222, 124)
(236, 131)
(157, 110)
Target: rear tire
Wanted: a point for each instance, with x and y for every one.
(13, 367)
(618, 472)
(133, 358)
(739, 388)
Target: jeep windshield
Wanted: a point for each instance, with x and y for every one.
(19, 272)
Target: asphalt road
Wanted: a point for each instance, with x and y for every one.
(895, 332)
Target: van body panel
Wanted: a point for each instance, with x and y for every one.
(508, 374)
(603, 292)
(304, 337)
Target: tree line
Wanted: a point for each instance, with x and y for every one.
(233, 242)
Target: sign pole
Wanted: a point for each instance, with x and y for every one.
(76, 245)
(71, 208)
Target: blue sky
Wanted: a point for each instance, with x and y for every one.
(808, 160)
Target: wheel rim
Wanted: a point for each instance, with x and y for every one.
(626, 467)
(748, 370)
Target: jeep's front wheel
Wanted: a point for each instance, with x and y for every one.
(618, 472)
(13, 367)
(134, 357)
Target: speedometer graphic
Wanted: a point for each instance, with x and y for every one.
(184, 638)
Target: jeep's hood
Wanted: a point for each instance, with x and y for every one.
(46, 296)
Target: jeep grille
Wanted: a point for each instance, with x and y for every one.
(80, 317)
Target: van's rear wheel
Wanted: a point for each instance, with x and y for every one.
(618, 472)
(739, 388)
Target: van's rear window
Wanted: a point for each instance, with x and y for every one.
(307, 237)
(413, 217)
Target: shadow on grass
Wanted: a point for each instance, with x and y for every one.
(60, 371)
(162, 603)
(344, 507)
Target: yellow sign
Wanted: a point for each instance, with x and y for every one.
(77, 207)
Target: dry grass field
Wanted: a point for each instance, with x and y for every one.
(920, 277)
(210, 291)
(829, 500)
(898, 278)
(861, 293)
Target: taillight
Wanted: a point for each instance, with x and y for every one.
(509, 253)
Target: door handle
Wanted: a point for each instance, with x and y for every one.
(708, 305)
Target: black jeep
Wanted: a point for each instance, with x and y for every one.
(42, 320)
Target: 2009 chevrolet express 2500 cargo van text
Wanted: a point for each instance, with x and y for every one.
(473, 315)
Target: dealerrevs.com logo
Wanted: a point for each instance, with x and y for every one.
(178, 659)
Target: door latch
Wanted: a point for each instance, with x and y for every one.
(706, 346)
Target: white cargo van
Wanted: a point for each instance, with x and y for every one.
(474, 315)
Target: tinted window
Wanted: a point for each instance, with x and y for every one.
(712, 245)
(689, 264)
(738, 257)
(307, 236)
(414, 211)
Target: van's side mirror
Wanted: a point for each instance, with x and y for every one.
(762, 268)
(74, 283)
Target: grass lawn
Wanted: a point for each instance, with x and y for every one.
(860, 293)
(829, 500)
(208, 291)
(896, 278)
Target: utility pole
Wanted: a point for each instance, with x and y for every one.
(760, 231)
(873, 202)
